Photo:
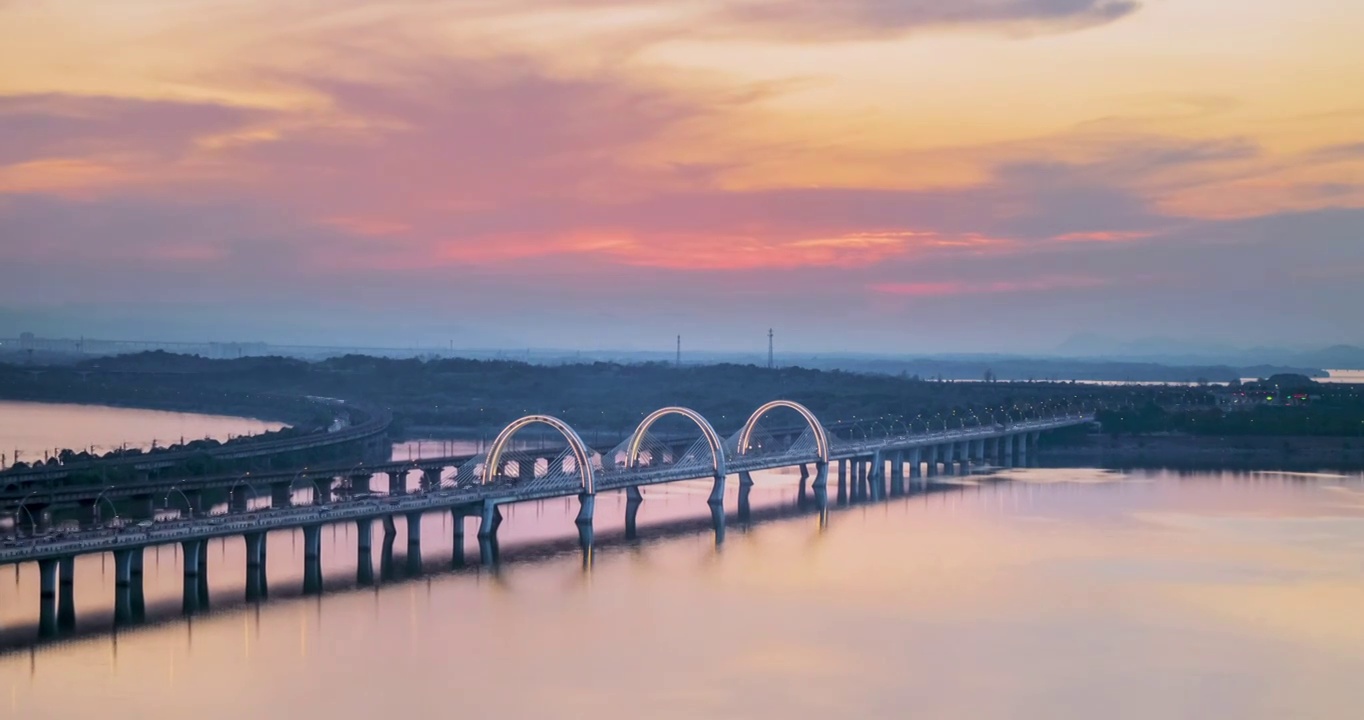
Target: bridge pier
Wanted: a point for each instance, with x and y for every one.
(312, 559)
(915, 458)
(878, 475)
(717, 490)
(47, 586)
(717, 522)
(136, 596)
(430, 478)
(1006, 451)
(255, 566)
(949, 460)
(931, 469)
(586, 538)
(634, 494)
(281, 494)
(587, 502)
(66, 593)
(414, 543)
(457, 517)
(745, 506)
(964, 457)
(745, 478)
(489, 551)
(490, 519)
(397, 482)
(631, 516)
(821, 477)
(123, 581)
(842, 482)
(364, 551)
(897, 473)
(804, 484)
(190, 557)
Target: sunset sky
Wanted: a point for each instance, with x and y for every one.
(869, 175)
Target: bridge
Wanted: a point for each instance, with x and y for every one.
(479, 485)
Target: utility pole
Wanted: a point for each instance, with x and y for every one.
(679, 351)
(771, 364)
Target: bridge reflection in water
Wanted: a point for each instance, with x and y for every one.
(868, 469)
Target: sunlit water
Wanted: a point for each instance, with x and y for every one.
(1036, 593)
(35, 428)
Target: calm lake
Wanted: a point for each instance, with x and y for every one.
(1031, 593)
(29, 429)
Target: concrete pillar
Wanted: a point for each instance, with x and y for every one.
(634, 494)
(915, 458)
(717, 522)
(745, 508)
(821, 476)
(745, 478)
(68, 570)
(458, 520)
(414, 529)
(189, 557)
(364, 551)
(717, 490)
(949, 460)
(932, 467)
(878, 475)
(397, 482)
(137, 598)
(430, 478)
(255, 565)
(281, 494)
(897, 473)
(489, 520)
(585, 542)
(312, 559)
(414, 543)
(842, 481)
(123, 578)
(47, 608)
(586, 504)
(631, 516)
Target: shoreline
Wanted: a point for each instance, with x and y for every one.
(1191, 452)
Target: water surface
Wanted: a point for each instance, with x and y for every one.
(1030, 594)
(34, 428)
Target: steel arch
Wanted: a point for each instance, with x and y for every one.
(717, 446)
(821, 437)
(581, 455)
